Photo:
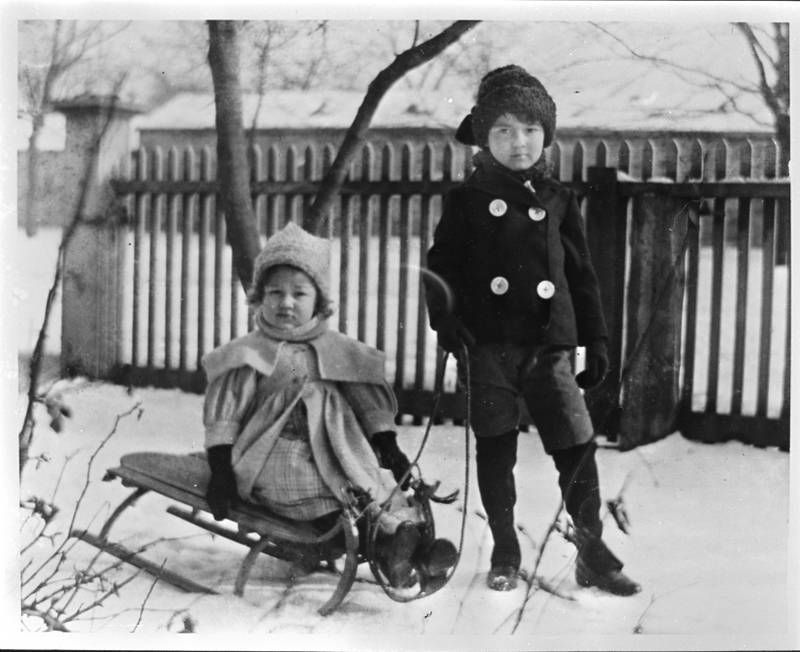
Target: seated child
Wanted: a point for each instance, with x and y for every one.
(296, 414)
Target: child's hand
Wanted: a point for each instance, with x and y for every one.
(221, 491)
(390, 456)
(452, 332)
(596, 365)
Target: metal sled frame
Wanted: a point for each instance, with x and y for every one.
(259, 530)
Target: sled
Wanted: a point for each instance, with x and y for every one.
(183, 478)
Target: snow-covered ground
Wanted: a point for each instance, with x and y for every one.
(708, 542)
(711, 541)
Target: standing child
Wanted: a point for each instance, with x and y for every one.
(296, 415)
(515, 283)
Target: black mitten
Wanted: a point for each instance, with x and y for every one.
(596, 365)
(451, 332)
(390, 456)
(221, 491)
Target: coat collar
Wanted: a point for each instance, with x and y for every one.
(491, 177)
(339, 357)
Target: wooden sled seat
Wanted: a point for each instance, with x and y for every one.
(184, 478)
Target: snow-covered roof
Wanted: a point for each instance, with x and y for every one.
(313, 109)
(335, 109)
(293, 109)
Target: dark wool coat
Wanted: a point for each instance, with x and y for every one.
(483, 246)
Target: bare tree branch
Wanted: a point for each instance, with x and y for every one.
(135, 408)
(695, 70)
(354, 137)
(757, 51)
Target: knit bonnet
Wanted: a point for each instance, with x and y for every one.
(295, 246)
(510, 89)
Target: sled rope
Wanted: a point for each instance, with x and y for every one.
(372, 530)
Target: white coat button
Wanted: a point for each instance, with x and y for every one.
(545, 289)
(499, 285)
(537, 214)
(498, 207)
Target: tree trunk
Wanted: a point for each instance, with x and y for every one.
(354, 138)
(784, 138)
(233, 176)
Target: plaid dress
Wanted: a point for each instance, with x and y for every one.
(295, 487)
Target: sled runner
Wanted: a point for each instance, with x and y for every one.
(183, 478)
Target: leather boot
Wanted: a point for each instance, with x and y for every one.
(395, 552)
(580, 487)
(433, 561)
(496, 458)
(598, 566)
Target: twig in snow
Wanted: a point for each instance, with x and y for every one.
(114, 590)
(147, 597)
(475, 577)
(275, 608)
(530, 580)
(60, 547)
(67, 460)
(638, 628)
(53, 624)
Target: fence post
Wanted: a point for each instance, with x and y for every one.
(605, 226)
(91, 292)
(651, 393)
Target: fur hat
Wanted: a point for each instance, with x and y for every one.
(295, 246)
(513, 90)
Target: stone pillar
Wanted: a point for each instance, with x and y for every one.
(98, 138)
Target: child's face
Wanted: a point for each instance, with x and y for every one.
(516, 144)
(290, 297)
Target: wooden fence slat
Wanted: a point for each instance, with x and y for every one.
(422, 313)
(173, 210)
(138, 242)
(402, 290)
(189, 205)
(219, 252)
(692, 285)
(156, 220)
(142, 201)
(364, 231)
(206, 211)
(784, 257)
(742, 267)
(384, 231)
(364, 246)
(345, 244)
(424, 245)
(767, 276)
(716, 302)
